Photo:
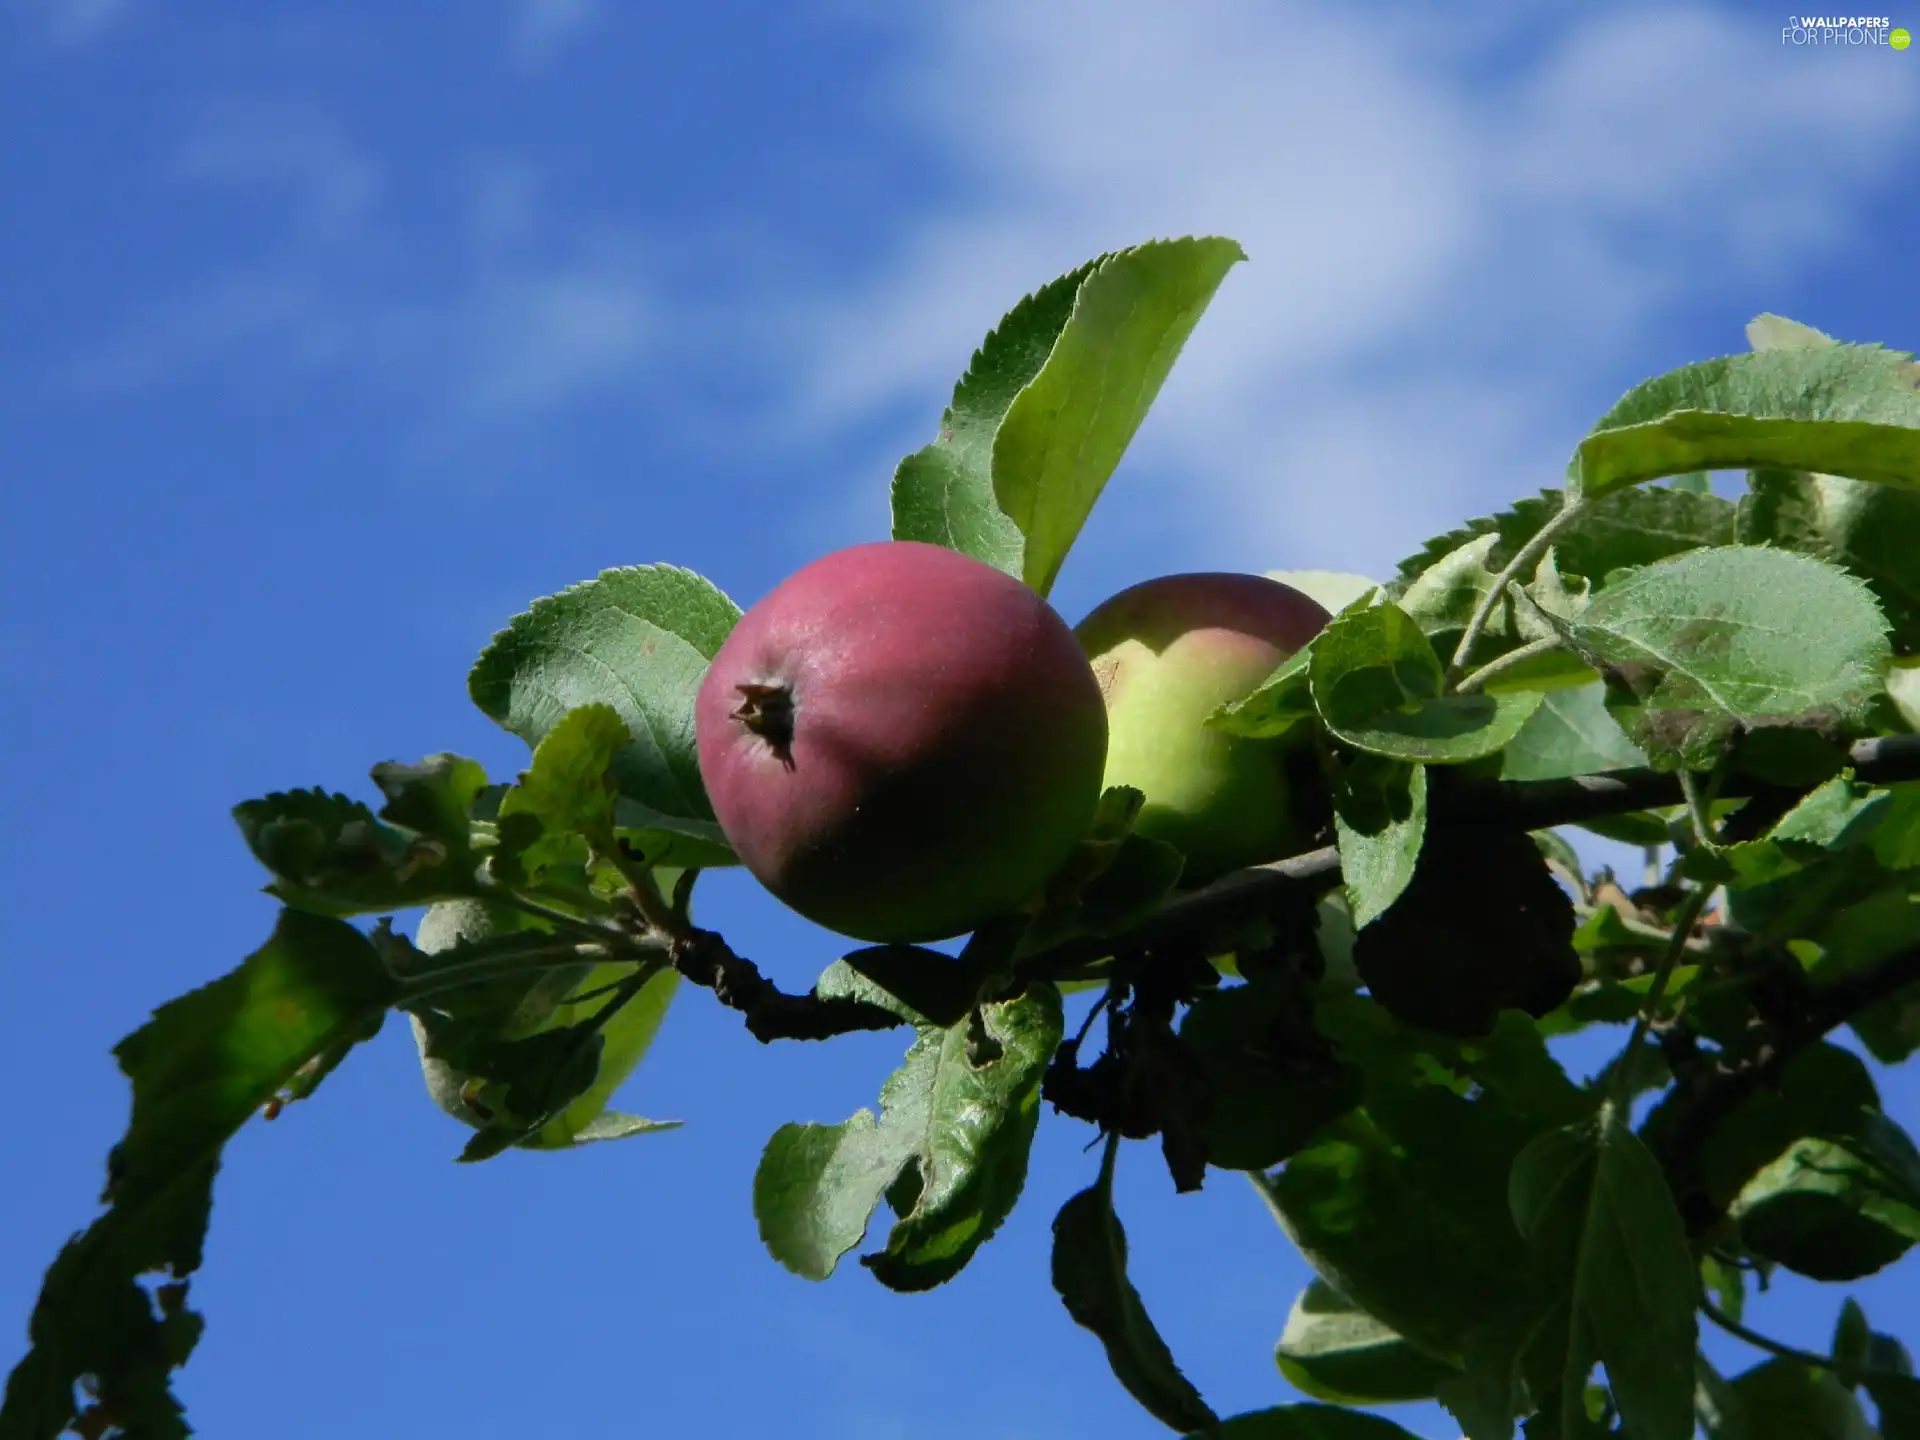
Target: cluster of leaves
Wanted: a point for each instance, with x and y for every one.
(1364, 1031)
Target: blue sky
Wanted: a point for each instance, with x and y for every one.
(333, 334)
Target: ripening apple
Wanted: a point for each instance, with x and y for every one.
(901, 742)
(1167, 654)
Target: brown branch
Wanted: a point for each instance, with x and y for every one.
(772, 1013)
(1247, 895)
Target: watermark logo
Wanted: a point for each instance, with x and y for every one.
(1843, 30)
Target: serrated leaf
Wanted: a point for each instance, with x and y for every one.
(1090, 1275)
(1695, 647)
(1593, 1204)
(943, 493)
(331, 855)
(1572, 733)
(1870, 530)
(1849, 410)
(1334, 1351)
(963, 1128)
(1050, 403)
(1378, 686)
(1307, 1422)
(1067, 429)
(200, 1068)
(566, 786)
(638, 639)
(1262, 1102)
(1380, 821)
(1627, 529)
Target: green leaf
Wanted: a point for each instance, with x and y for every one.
(638, 639)
(1820, 1091)
(1698, 646)
(566, 789)
(1824, 1213)
(1380, 819)
(520, 1059)
(1378, 685)
(1870, 530)
(1897, 1398)
(1848, 410)
(331, 855)
(1785, 1400)
(1850, 936)
(1593, 1204)
(1090, 1274)
(1050, 403)
(1835, 816)
(955, 1129)
(1626, 529)
(1276, 705)
(1332, 1350)
(1263, 1102)
(943, 493)
(1402, 1207)
(1066, 431)
(1572, 733)
(200, 1068)
(1307, 1422)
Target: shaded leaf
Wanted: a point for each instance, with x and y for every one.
(1380, 821)
(200, 1068)
(1592, 1202)
(1090, 1274)
(1332, 1350)
(1785, 1400)
(1308, 1422)
(1822, 1212)
(1267, 1095)
(1482, 926)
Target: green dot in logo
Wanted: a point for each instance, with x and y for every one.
(1899, 39)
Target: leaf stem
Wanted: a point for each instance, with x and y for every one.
(1570, 509)
(1501, 663)
(1690, 910)
(1851, 1374)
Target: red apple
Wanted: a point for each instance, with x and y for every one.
(1168, 653)
(901, 742)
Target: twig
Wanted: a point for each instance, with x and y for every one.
(1526, 555)
(1502, 663)
(1690, 909)
(1763, 1342)
(772, 1014)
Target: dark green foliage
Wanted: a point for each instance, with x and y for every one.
(1363, 1029)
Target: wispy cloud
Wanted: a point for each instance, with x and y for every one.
(1450, 233)
(542, 28)
(72, 22)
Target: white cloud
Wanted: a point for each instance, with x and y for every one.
(1450, 233)
(73, 22)
(542, 28)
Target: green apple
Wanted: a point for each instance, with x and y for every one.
(1167, 654)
